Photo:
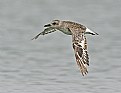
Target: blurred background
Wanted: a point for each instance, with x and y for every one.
(47, 65)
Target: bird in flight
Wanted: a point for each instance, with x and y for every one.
(79, 41)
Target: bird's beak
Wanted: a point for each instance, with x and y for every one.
(47, 25)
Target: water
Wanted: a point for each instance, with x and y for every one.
(47, 65)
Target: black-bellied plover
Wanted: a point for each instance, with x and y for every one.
(79, 41)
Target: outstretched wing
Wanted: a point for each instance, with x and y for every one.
(80, 48)
(46, 31)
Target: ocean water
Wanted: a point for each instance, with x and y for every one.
(47, 65)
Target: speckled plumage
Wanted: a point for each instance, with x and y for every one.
(79, 41)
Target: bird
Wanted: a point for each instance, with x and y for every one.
(79, 41)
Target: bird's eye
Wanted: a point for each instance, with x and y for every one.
(54, 23)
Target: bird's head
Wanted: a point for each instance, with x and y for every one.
(54, 23)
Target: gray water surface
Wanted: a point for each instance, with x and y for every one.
(47, 65)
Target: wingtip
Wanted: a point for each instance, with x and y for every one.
(32, 38)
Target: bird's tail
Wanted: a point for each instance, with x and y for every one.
(88, 31)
